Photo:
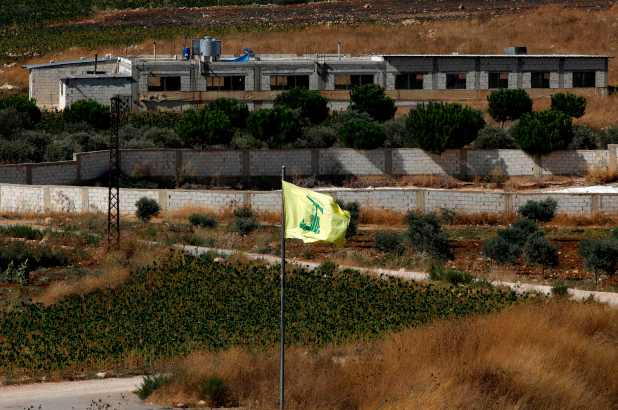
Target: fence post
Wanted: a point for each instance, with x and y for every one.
(612, 166)
(315, 162)
(508, 204)
(420, 201)
(388, 161)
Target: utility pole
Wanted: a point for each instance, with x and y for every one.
(120, 106)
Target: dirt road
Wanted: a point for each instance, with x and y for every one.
(101, 394)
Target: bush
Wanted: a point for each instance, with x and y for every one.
(236, 111)
(560, 289)
(453, 276)
(245, 221)
(538, 251)
(203, 220)
(16, 255)
(600, 256)
(146, 209)
(11, 122)
(609, 136)
(542, 132)
(584, 137)
(154, 119)
(570, 104)
(390, 242)
(501, 251)
(23, 105)
(371, 99)
(436, 127)
(163, 137)
(541, 211)
(215, 391)
(205, 127)
(312, 106)
(508, 105)
(317, 136)
(277, 127)
(494, 138)
(395, 133)
(96, 115)
(359, 131)
(426, 236)
(519, 231)
(21, 231)
(327, 267)
(354, 209)
(150, 384)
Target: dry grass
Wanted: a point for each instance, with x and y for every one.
(115, 268)
(554, 355)
(600, 175)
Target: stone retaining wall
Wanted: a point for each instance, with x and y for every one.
(179, 163)
(46, 198)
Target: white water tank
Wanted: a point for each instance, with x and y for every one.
(210, 48)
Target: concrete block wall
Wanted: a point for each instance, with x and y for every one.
(503, 161)
(69, 199)
(211, 163)
(573, 162)
(92, 165)
(156, 162)
(345, 161)
(414, 161)
(269, 162)
(54, 173)
(14, 174)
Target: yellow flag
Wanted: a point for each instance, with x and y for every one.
(311, 216)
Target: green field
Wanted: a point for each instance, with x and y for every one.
(187, 304)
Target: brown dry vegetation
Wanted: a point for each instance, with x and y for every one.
(548, 29)
(547, 355)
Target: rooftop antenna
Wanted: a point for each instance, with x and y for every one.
(96, 59)
(154, 46)
(339, 50)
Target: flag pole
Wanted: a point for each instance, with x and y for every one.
(282, 305)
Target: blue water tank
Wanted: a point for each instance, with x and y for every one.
(186, 53)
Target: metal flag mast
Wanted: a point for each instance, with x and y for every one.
(282, 304)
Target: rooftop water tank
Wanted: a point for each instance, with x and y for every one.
(516, 50)
(210, 48)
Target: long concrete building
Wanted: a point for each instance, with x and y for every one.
(201, 75)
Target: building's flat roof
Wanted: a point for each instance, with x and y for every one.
(70, 62)
(502, 55)
(95, 76)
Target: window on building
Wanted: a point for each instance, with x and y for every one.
(159, 83)
(584, 79)
(539, 79)
(287, 82)
(455, 81)
(349, 81)
(498, 79)
(409, 81)
(226, 83)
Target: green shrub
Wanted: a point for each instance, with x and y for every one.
(203, 220)
(11, 123)
(205, 127)
(538, 251)
(16, 255)
(494, 138)
(395, 133)
(501, 251)
(89, 111)
(312, 106)
(150, 384)
(371, 99)
(23, 105)
(154, 119)
(453, 276)
(317, 136)
(519, 231)
(146, 209)
(245, 221)
(278, 127)
(390, 242)
(541, 211)
(436, 127)
(327, 267)
(560, 289)
(584, 137)
(354, 209)
(21, 231)
(215, 391)
(235, 110)
(600, 256)
(359, 131)
(608, 136)
(508, 105)
(163, 137)
(570, 104)
(426, 236)
(540, 133)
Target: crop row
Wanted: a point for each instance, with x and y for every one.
(198, 303)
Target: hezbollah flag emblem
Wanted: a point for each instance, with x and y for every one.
(311, 216)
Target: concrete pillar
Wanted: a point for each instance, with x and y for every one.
(246, 165)
(554, 79)
(85, 199)
(46, 199)
(508, 204)
(612, 166)
(163, 199)
(420, 201)
(179, 167)
(595, 204)
(315, 162)
(28, 169)
(388, 161)
(463, 163)
(246, 199)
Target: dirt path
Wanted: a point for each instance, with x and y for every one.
(102, 394)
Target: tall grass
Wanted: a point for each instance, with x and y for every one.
(550, 355)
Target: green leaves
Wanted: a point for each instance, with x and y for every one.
(192, 303)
